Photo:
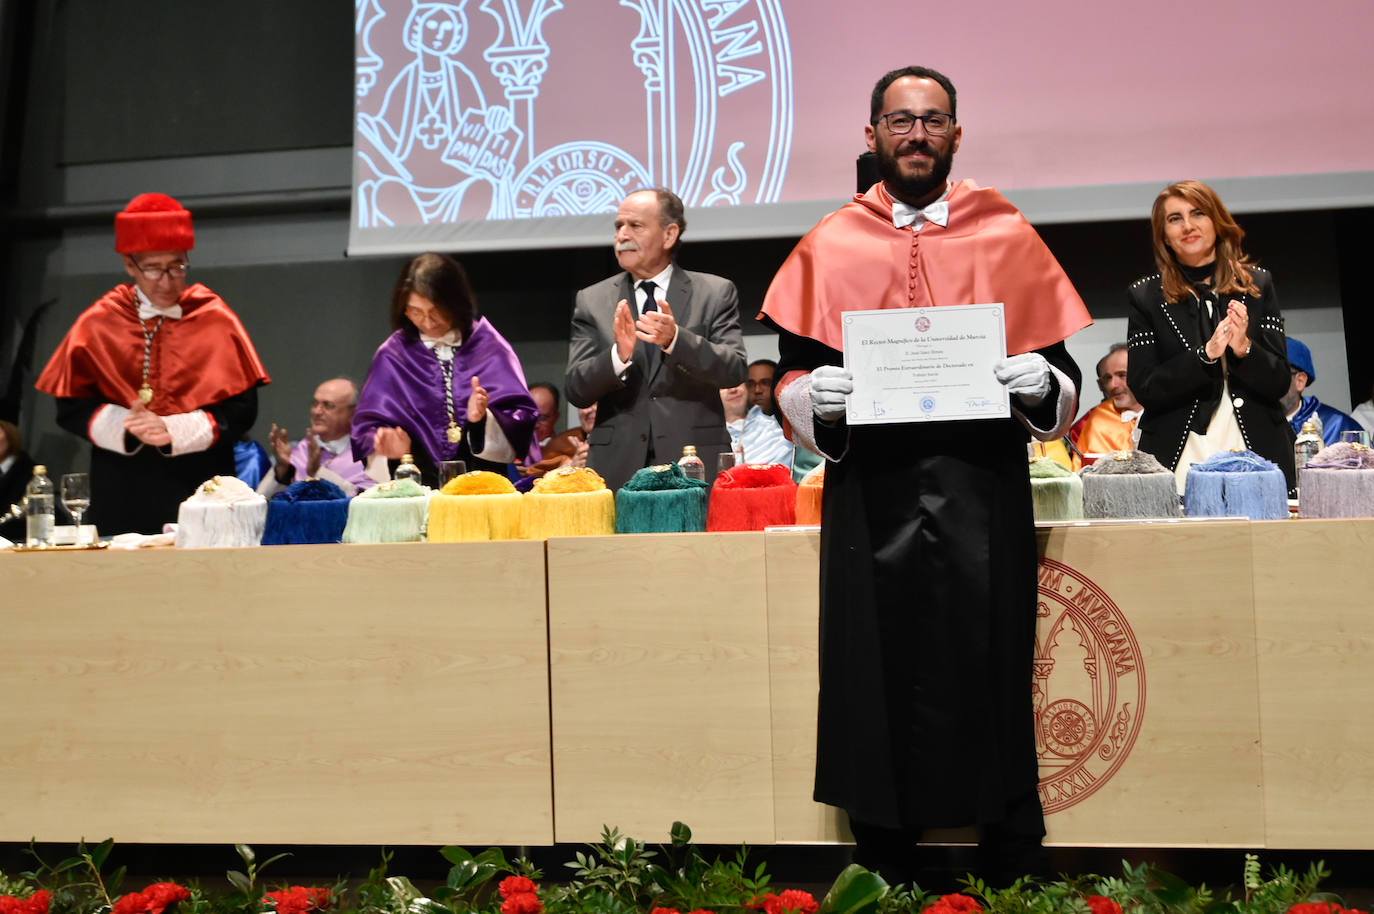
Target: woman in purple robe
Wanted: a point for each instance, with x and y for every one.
(440, 378)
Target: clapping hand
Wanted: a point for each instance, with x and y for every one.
(657, 327)
(1238, 317)
(477, 402)
(391, 443)
(281, 449)
(624, 327)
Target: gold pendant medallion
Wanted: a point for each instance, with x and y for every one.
(455, 434)
(145, 393)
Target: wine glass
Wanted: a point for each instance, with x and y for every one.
(76, 497)
(450, 469)
(1359, 436)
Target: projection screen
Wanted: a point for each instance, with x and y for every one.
(484, 124)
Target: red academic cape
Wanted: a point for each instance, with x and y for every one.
(856, 260)
(201, 358)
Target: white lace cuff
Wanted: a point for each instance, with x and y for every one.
(794, 400)
(191, 432)
(106, 428)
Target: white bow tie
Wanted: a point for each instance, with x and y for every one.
(904, 214)
(442, 346)
(147, 311)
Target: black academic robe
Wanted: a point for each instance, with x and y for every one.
(139, 492)
(928, 611)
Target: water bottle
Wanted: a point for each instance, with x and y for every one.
(39, 509)
(1305, 448)
(691, 464)
(407, 470)
(1307, 445)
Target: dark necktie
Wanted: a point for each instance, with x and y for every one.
(648, 287)
(652, 352)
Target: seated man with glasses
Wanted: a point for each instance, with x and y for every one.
(159, 376)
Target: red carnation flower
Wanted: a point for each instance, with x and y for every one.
(299, 899)
(797, 901)
(791, 901)
(517, 885)
(665, 911)
(522, 903)
(954, 904)
(152, 900)
(701, 911)
(1100, 904)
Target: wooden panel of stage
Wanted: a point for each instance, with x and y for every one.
(1149, 729)
(1161, 616)
(292, 694)
(658, 648)
(1315, 624)
(1197, 684)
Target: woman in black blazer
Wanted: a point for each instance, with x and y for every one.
(1207, 358)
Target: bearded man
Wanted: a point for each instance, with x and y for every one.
(928, 554)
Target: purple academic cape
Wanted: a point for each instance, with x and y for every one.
(405, 387)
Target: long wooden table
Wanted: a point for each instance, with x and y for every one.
(1197, 684)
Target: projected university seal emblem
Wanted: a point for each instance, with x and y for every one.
(1089, 686)
(531, 108)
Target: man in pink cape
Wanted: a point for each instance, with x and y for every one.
(928, 556)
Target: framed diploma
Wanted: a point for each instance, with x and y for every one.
(925, 364)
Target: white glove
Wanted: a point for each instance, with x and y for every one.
(830, 384)
(1026, 375)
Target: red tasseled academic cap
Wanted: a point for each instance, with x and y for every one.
(153, 222)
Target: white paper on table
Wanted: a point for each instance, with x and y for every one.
(925, 364)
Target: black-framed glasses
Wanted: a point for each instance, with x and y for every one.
(900, 123)
(153, 274)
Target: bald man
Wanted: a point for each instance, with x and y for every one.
(323, 453)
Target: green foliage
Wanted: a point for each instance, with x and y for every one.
(78, 883)
(620, 875)
(246, 881)
(16, 886)
(855, 891)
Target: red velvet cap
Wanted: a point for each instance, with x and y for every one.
(153, 222)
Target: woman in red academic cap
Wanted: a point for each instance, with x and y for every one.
(158, 375)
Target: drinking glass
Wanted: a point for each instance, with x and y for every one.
(76, 497)
(450, 469)
(1358, 436)
(725, 460)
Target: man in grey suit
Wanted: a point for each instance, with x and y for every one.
(653, 346)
